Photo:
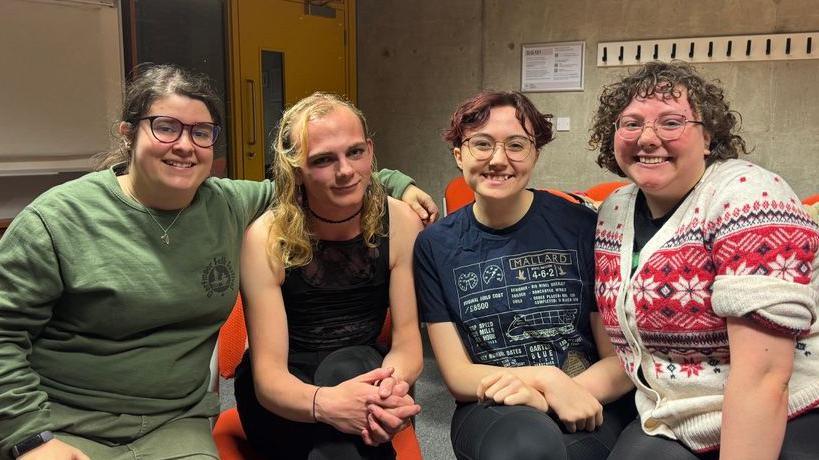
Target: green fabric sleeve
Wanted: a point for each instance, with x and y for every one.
(395, 181)
(30, 283)
(249, 198)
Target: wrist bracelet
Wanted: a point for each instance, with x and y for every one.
(314, 404)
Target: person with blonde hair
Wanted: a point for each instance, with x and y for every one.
(320, 271)
(113, 287)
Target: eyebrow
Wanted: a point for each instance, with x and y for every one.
(357, 145)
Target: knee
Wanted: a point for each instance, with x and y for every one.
(346, 363)
(526, 436)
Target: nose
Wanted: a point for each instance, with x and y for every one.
(184, 144)
(496, 158)
(646, 139)
(345, 168)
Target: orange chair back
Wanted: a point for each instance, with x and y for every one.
(602, 190)
(813, 199)
(457, 195)
(232, 340)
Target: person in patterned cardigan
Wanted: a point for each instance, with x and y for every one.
(705, 277)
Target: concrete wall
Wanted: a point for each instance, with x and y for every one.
(419, 59)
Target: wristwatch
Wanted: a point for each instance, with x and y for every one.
(30, 443)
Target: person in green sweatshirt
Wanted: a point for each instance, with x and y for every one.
(113, 287)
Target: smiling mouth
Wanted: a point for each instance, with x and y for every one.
(345, 187)
(497, 177)
(179, 164)
(652, 160)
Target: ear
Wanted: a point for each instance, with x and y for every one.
(457, 153)
(124, 128)
(707, 139)
(299, 177)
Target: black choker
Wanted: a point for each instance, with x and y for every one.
(329, 221)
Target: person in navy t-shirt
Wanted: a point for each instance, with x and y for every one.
(505, 286)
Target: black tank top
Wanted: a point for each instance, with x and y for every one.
(341, 297)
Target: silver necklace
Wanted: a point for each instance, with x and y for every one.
(164, 237)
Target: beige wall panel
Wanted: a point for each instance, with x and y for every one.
(424, 56)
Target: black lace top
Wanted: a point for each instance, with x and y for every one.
(341, 297)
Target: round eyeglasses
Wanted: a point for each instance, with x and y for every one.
(168, 130)
(482, 147)
(667, 127)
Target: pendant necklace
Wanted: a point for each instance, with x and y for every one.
(164, 237)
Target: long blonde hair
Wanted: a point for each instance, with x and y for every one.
(289, 239)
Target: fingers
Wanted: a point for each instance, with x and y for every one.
(401, 388)
(571, 427)
(394, 420)
(385, 388)
(431, 209)
(421, 211)
(379, 373)
(486, 383)
(376, 431)
(404, 412)
(392, 401)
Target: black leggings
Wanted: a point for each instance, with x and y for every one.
(801, 443)
(279, 438)
(485, 431)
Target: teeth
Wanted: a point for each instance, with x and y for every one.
(179, 164)
(495, 177)
(651, 160)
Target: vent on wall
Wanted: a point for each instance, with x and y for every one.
(735, 48)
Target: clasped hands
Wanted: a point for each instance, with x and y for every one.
(375, 405)
(551, 390)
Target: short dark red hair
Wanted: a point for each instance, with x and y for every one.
(474, 113)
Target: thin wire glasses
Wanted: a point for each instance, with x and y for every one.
(482, 147)
(168, 130)
(667, 127)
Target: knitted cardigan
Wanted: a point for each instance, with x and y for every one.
(740, 245)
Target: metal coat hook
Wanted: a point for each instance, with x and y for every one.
(761, 47)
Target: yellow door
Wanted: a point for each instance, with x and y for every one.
(281, 51)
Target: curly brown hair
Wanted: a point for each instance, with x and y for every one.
(474, 113)
(666, 79)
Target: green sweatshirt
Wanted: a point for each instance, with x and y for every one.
(98, 313)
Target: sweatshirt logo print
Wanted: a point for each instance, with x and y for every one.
(218, 277)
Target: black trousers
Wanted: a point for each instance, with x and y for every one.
(485, 431)
(801, 443)
(279, 438)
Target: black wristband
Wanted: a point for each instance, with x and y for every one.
(30, 443)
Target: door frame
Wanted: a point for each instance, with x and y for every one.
(235, 105)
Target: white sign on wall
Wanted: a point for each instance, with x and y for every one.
(552, 66)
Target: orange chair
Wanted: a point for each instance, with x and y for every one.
(457, 194)
(813, 199)
(228, 434)
(602, 190)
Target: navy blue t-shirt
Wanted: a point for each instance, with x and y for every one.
(519, 296)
